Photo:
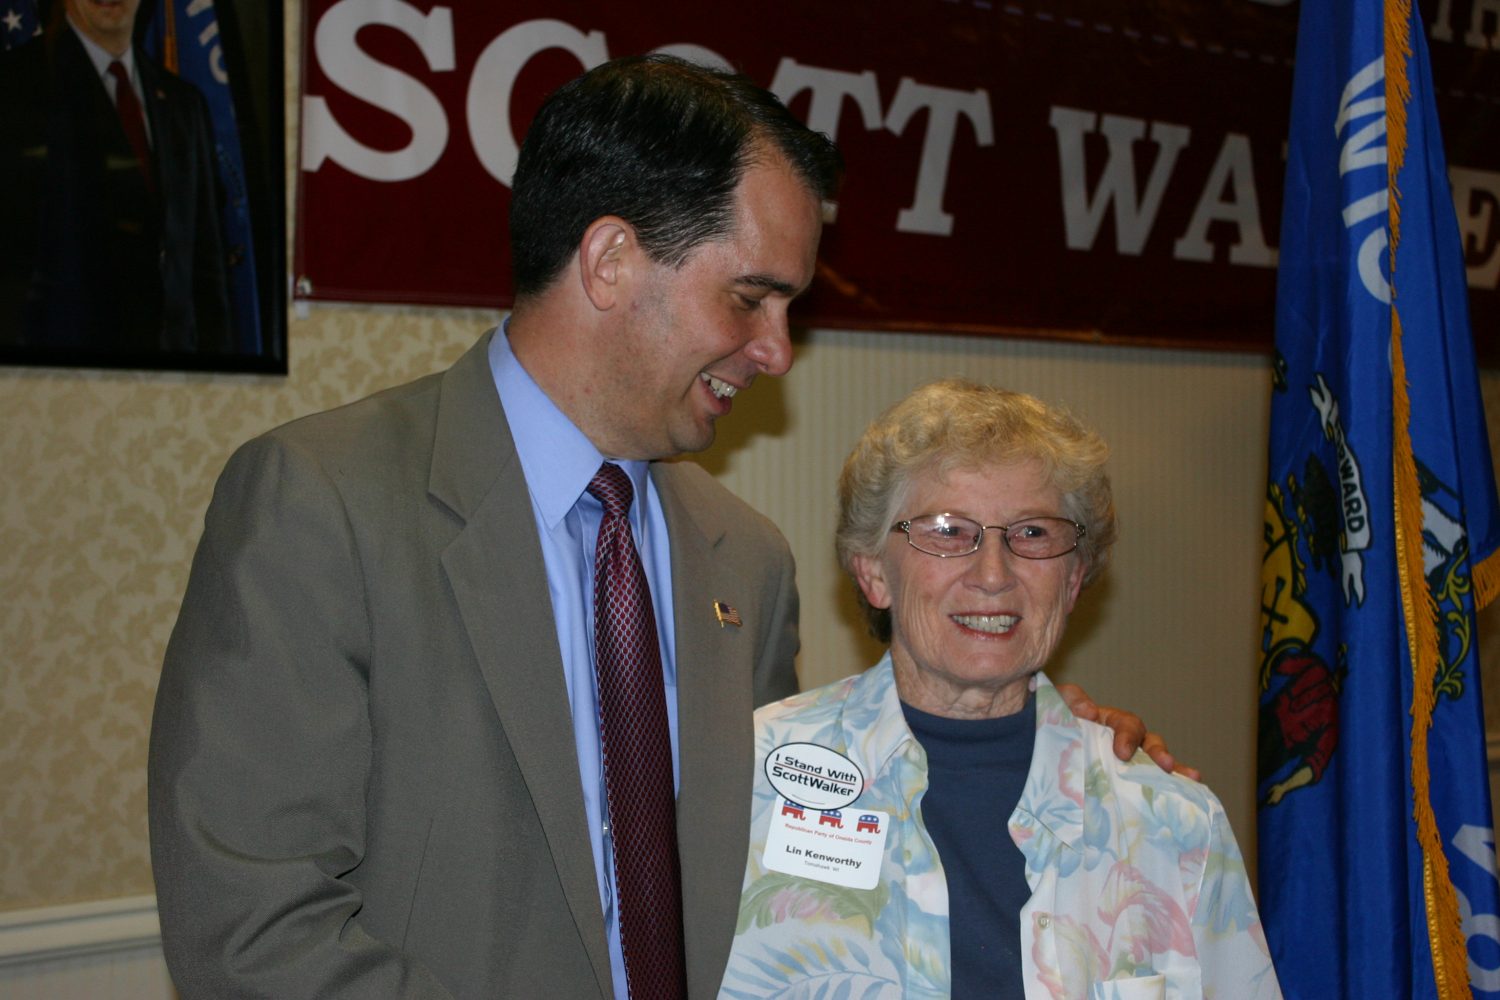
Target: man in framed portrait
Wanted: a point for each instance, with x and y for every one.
(107, 194)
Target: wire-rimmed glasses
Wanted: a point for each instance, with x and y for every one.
(949, 535)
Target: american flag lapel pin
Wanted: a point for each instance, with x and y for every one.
(726, 615)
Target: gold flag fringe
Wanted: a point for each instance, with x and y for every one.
(169, 56)
(1450, 967)
(1486, 578)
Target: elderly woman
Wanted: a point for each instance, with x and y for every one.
(942, 825)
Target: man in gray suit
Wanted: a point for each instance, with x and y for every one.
(375, 763)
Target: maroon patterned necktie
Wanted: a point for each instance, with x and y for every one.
(133, 120)
(637, 752)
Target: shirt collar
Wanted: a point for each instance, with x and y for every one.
(1055, 786)
(557, 459)
(874, 741)
(100, 58)
(1054, 792)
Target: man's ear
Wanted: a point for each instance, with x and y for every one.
(603, 259)
(869, 573)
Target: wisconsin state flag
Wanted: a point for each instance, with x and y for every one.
(1377, 857)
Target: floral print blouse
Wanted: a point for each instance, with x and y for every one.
(1138, 888)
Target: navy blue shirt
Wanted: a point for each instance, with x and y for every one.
(976, 772)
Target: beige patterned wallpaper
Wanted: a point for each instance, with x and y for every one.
(104, 478)
(104, 483)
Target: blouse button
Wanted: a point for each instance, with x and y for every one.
(1044, 921)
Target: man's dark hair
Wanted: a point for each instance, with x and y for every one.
(659, 142)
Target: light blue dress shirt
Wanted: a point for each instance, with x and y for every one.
(558, 461)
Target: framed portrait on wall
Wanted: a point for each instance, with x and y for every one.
(141, 185)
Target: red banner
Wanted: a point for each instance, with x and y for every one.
(1083, 168)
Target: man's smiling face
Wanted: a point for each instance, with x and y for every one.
(694, 335)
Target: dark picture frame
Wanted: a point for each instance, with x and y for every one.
(105, 263)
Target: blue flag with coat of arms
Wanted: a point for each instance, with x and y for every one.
(1377, 857)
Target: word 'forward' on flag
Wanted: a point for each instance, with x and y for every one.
(1377, 856)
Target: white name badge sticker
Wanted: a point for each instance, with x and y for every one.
(839, 846)
(814, 776)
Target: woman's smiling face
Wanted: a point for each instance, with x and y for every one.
(968, 632)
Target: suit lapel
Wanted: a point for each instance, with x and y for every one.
(714, 697)
(500, 583)
(498, 576)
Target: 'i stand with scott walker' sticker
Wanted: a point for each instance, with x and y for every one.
(814, 776)
(811, 835)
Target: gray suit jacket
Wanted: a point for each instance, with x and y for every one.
(362, 776)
